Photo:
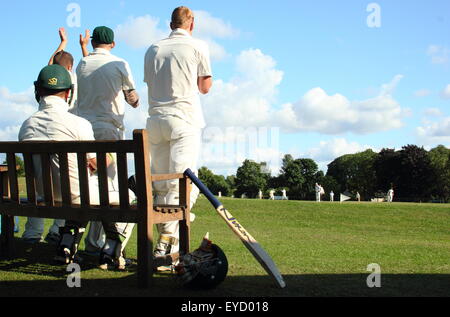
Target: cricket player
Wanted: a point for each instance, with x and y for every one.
(53, 122)
(271, 194)
(390, 195)
(283, 193)
(105, 83)
(176, 70)
(34, 227)
(318, 189)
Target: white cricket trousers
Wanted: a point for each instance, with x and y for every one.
(174, 147)
(34, 227)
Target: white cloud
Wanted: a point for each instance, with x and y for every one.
(439, 54)
(15, 108)
(445, 94)
(245, 100)
(251, 95)
(143, 31)
(422, 93)
(207, 26)
(332, 149)
(433, 112)
(334, 114)
(433, 133)
(140, 32)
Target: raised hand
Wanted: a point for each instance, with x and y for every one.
(84, 41)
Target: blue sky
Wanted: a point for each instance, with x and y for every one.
(310, 78)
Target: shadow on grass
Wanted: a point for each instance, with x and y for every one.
(34, 274)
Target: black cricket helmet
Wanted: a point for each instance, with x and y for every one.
(205, 268)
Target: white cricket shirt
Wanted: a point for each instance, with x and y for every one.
(172, 67)
(53, 122)
(101, 79)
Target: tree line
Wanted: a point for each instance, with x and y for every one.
(414, 173)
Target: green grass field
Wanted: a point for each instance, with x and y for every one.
(322, 249)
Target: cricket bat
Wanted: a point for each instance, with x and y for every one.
(252, 245)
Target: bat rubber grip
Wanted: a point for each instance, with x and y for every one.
(212, 199)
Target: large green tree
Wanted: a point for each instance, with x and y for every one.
(440, 163)
(416, 174)
(387, 165)
(299, 176)
(215, 183)
(355, 173)
(250, 179)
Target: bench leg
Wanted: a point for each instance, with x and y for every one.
(145, 254)
(185, 235)
(7, 236)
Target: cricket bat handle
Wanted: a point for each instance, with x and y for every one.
(212, 199)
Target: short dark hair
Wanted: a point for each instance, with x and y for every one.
(44, 92)
(64, 59)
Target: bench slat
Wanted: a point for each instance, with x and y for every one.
(30, 177)
(165, 177)
(83, 179)
(65, 179)
(102, 180)
(47, 179)
(12, 175)
(122, 176)
(67, 146)
(81, 214)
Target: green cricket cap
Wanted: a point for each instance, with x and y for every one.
(54, 77)
(103, 35)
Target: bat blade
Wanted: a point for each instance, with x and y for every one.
(250, 243)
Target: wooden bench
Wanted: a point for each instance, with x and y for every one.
(144, 213)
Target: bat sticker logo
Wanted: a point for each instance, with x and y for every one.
(235, 223)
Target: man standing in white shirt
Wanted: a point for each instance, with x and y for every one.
(318, 189)
(176, 70)
(272, 194)
(390, 195)
(105, 82)
(283, 193)
(53, 122)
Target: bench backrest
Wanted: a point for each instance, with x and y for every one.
(48, 207)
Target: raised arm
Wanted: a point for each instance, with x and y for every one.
(84, 42)
(62, 45)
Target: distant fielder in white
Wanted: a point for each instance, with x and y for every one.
(358, 196)
(260, 194)
(390, 195)
(331, 196)
(272, 194)
(319, 191)
(283, 192)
